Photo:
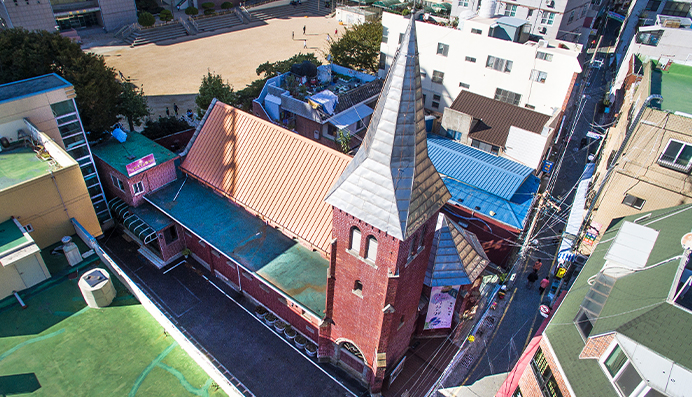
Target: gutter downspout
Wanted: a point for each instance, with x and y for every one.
(199, 128)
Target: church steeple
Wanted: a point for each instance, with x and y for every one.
(391, 183)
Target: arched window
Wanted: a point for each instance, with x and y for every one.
(423, 230)
(371, 249)
(354, 244)
(414, 246)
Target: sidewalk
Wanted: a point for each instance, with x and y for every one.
(219, 320)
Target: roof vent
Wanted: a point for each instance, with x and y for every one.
(477, 208)
(491, 213)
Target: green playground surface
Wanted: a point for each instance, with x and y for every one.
(58, 346)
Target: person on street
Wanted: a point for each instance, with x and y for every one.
(168, 112)
(175, 108)
(537, 265)
(303, 29)
(543, 285)
(531, 278)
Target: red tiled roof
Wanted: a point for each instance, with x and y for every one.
(496, 117)
(269, 170)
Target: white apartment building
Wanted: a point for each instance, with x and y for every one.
(569, 20)
(536, 75)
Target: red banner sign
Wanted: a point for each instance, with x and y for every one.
(140, 165)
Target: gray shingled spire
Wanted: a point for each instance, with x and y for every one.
(456, 258)
(391, 183)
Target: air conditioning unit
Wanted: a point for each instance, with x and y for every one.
(543, 30)
(316, 134)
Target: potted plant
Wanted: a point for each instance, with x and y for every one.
(260, 311)
(270, 319)
(290, 332)
(311, 349)
(279, 326)
(186, 252)
(300, 341)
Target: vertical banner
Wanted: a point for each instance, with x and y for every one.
(441, 307)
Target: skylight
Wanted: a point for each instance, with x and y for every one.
(630, 250)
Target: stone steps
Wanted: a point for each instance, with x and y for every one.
(225, 21)
(156, 34)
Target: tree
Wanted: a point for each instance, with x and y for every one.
(212, 87)
(226, 5)
(359, 47)
(145, 19)
(164, 126)
(132, 104)
(343, 138)
(166, 15)
(191, 11)
(25, 54)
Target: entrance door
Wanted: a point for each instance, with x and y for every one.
(30, 271)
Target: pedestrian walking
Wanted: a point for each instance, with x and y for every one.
(175, 108)
(305, 44)
(543, 285)
(168, 112)
(537, 265)
(531, 278)
(303, 29)
(293, 35)
(122, 77)
(336, 32)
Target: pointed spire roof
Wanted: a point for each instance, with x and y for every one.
(391, 183)
(456, 257)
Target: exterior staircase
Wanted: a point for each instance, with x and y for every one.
(224, 21)
(156, 34)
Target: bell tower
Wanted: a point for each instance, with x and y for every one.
(385, 208)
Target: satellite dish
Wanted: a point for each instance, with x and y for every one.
(686, 241)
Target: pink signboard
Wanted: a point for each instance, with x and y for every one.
(441, 307)
(140, 165)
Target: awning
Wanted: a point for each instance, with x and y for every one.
(132, 222)
(351, 116)
(576, 214)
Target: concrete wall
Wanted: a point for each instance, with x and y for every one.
(39, 202)
(456, 121)
(546, 97)
(117, 13)
(31, 15)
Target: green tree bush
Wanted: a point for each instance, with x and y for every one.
(132, 104)
(191, 11)
(25, 54)
(166, 15)
(212, 87)
(207, 5)
(226, 5)
(359, 47)
(150, 6)
(146, 19)
(164, 126)
(209, 12)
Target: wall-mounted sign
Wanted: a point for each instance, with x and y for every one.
(441, 307)
(616, 16)
(547, 166)
(140, 165)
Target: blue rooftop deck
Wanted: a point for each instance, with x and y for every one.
(292, 268)
(484, 183)
(32, 86)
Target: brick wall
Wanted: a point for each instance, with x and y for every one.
(151, 179)
(168, 251)
(596, 346)
(569, 91)
(198, 247)
(528, 383)
(391, 288)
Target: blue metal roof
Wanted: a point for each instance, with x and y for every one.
(495, 175)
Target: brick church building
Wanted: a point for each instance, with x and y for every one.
(353, 253)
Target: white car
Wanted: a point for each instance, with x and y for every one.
(597, 63)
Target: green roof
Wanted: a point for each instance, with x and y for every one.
(10, 236)
(20, 165)
(635, 307)
(118, 155)
(283, 262)
(675, 85)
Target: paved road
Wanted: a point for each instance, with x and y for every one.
(256, 356)
(519, 322)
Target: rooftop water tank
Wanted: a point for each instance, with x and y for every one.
(71, 251)
(97, 288)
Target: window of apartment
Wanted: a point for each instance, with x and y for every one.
(442, 49)
(476, 31)
(470, 59)
(117, 183)
(359, 125)
(421, 242)
(544, 56)
(653, 5)
(544, 375)
(371, 249)
(537, 75)
(583, 11)
(547, 18)
(383, 61)
(170, 235)
(571, 17)
(529, 106)
(464, 85)
(385, 34)
(463, 3)
(358, 288)
(633, 201)
(437, 76)
(401, 37)
(510, 10)
(584, 323)
(499, 64)
(28, 228)
(63, 108)
(507, 96)
(529, 14)
(649, 38)
(354, 244)
(138, 188)
(623, 374)
(486, 147)
(677, 156)
(436, 101)
(676, 8)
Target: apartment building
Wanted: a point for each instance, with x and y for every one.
(66, 14)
